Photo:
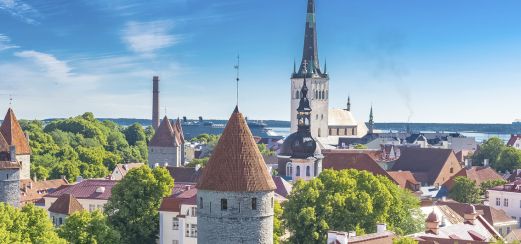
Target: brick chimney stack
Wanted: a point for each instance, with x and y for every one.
(155, 103)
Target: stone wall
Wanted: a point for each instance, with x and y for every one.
(10, 186)
(239, 223)
(25, 170)
(162, 155)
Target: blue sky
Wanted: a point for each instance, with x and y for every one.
(427, 61)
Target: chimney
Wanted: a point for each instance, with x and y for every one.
(470, 214)
(337, 237)
(155, 102)
(100, 189)
(381, 228)
(468, 164)
(432, 223)
(12, 153)
(486, 162)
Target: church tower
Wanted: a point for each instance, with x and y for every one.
(235, 192)
(318, 81)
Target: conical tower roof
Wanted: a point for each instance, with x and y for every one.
(236, 164)
(13, 133)
(164, 136)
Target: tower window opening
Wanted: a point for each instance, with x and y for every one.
(224, 204)
(254, 203)
(298, 171)
(201, 203)
(308, 171)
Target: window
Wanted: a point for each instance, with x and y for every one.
(193, 230)
(505, 202)
(92, 207)
(224, 204)
(254, 203)
(501, 231)
(194, 209)
(60, 220)
(289, 170)
(298, 170)
(7, 176)
(187, 230)
(201, 203)
(175, 223)
(297, 93)
(53, 220)
(451, 170)
(508, 230)
(308, 171)
(498, 202)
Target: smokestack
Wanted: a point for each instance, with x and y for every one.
(155, 103)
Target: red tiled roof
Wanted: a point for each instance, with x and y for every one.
(477, 173)
(9, 165)
(513, 139)
(124, 168)
(181, 194)
(490, 214)
(165, 135)
(33, 191)
(405, 179)
(87, 190)
(345, 159)
(66, 204)
(13, 133)
(178, 128)
(236, 164)
(283, 187)
(430, 161)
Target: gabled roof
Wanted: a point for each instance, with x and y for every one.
(32, 191)
(478, 174)
(13, 134)
(405, 179)
(429, 161)
(66, 204)
(236, 164)
(345, 159)
(184, 174)
(87, 189)
(181, 194)
(178, 129)
(513, 139)
(124, 168)
(165, 135)
(283, 187)
(340, 117)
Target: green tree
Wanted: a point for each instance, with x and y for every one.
(278, 227)
(39, 172)
(484, 186)
(509, 159)
(491, 150)
(360, 146)
(198, 162)
(135, 133)
(404, 240)
(69, 169)
(133, 206)
(465, 190)
(88, 228)
(348, 200)
(29, 224)
(264, 150)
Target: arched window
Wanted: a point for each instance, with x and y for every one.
(316, 94)
(201, 203)
(289, 169)
(323, 94)
(298, 170)
(308, 171)
(297, 94)
(319, 132)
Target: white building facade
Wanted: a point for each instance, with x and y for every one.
(508, 199)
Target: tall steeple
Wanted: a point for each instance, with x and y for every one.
(310, 51)
(370, 124)
(348, 108)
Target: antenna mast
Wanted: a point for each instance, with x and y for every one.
(237, 78)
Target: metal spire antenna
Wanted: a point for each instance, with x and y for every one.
(237, 78)
(10, 100)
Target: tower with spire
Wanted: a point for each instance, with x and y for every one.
(348, 107)
(166, 148)
(370, 124)
(235, 194)
(318, 81)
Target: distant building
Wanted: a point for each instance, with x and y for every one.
(122, 169)
(430, 166)
(507, 198)
(185, 175)
(382, 236)
(478, 174)
(236, 192)
(166, 148)
(300, 156)
(62, 208)
(91, 194)
(515, 141)
(33, 191)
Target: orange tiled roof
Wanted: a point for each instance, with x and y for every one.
(478, 174)
(165, 135)
(33, 191)
(13, 133)
(66, 204)
(236, 164)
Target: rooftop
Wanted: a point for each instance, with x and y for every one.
(87, 189)
(66, 204)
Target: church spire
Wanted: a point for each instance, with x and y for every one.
(304, 110)
(310, 51)
(371, 121)
(348, 108)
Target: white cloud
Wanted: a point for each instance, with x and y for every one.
(51, 65)
(147, 37)
(20, 10)
(5, 43)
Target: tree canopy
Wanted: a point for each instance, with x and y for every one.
(87, 146)
(85, 227)
(502, 158)
(465, 190)
(29, 224)
(349, 200)
(133, 206)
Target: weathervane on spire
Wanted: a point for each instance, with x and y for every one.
(10, 100)
(237, 78)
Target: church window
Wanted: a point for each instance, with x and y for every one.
(323, 94)
(319, 132)
(7, 176)
(254, 203)
(327, 94)
(308, 171)
(298, 170)
(289, 170)
(175, 223)
(201, 203)
(297, 94)
(194, 211)
(316, 94)
(224, 204)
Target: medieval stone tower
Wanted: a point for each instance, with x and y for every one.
(15, 138)
(318, 81)
(235, 193)
(9, 174)
(166, 148)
